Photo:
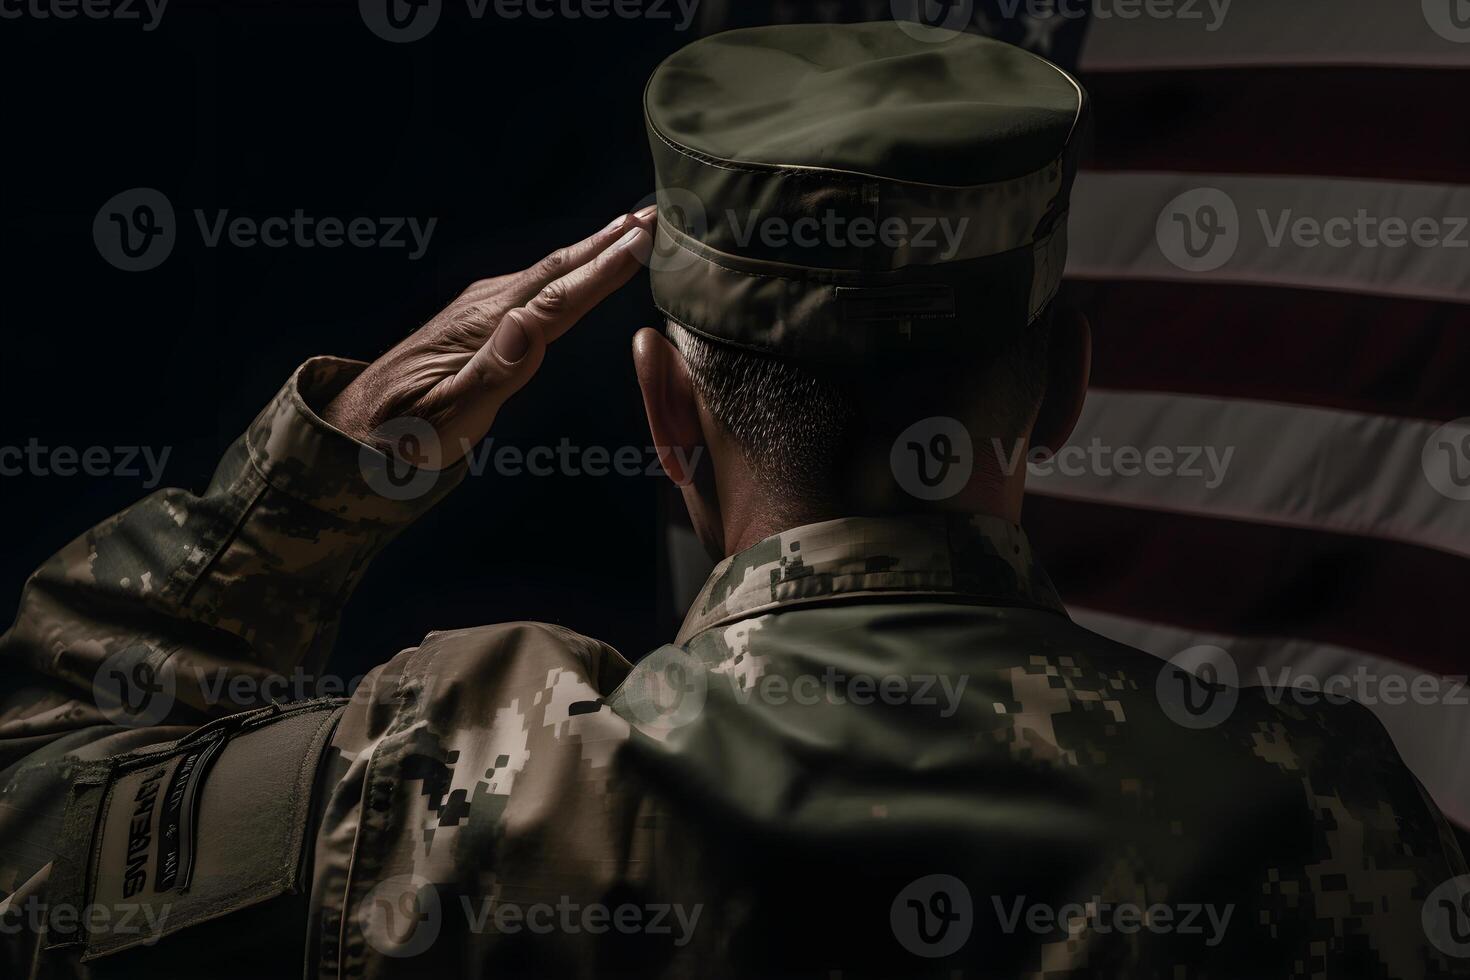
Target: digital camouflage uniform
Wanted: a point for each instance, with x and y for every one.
(877, 748)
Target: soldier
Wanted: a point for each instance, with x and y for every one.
(877, 746)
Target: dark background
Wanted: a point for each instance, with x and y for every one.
(519, 136)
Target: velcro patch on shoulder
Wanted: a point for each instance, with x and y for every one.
(215, 823)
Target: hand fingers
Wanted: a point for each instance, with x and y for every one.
(470, 319)
(515, 350)
(526, 284)
(564, 301)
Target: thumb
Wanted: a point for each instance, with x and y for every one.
(500, 368)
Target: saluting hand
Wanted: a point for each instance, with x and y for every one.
(458, 369)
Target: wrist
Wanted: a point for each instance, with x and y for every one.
(303, 452)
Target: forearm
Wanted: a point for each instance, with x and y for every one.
(246, 580)
(143, 628)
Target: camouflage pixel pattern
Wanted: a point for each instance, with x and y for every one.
(246, 580)
(974, 557)
(752, 788)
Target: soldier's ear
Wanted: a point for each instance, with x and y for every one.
(670, 403)
(1068, 368)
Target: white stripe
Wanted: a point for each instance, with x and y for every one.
(1433, 737)
(1124, 35)
(1293, 465)
(1368, 236)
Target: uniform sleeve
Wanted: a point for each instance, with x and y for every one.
(136, 637)
(480, 763)
(149, 617)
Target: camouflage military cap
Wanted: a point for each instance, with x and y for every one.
(830, 190)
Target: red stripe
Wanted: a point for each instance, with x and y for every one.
(1232, 577)
(1375, 354)
(1385, 123)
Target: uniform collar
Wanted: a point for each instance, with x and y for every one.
(961, 557)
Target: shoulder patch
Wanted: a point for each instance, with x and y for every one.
(213, 823)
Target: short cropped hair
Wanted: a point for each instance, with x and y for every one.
(798, 426)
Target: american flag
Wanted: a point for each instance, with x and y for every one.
(1270, 240)
(1238, 243)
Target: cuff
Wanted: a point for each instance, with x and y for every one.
(299, 454)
